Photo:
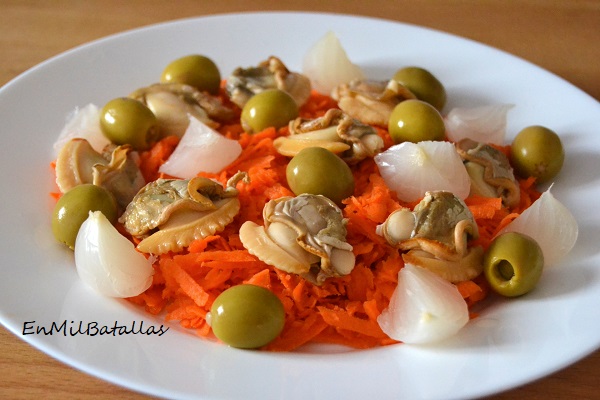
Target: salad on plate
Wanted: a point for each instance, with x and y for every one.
(273, 208)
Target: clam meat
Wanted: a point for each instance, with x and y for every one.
(269, 74)
(490, 172)
(173, 103)
(303, 235)
(168, 214)
(371, 101)
(352, 140)
(435, 235)
(115, 169)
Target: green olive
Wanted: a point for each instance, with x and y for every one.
(537, 151)
(270, 108)
(194, 70)
(422, 84)
(513, 264)
(73, 208)
(247, 316)
(127, 121)
(316, 170)
(416, 121)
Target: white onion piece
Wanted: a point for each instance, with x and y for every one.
(82, 123)
(107, 262)
(201, 149)
(327, 65)
(424, 308)
(412, 169)
(485, 124)
(551, 224)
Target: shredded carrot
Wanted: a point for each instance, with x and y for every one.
(187, 284)
(484, 207)
(300, 332)
(262, 278)
(341, 319)
(151, 160)
(342, 310)
(473, 291)
(492, 216)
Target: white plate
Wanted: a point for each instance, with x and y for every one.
(512, 343)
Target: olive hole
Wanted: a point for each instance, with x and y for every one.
(505, 269)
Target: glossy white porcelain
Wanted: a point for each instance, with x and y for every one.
(511, 343)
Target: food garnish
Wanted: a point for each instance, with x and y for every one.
(328, 65)
(108, 262)
(424, 308)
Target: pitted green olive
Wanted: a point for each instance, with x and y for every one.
(270, 108)
(194, 70)
(127, 121)
(73, 208)
(537, 151)
(247, 316)
(416, 121)
(316, 170)
(422, 84)
(513, 264)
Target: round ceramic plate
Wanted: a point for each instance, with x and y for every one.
(511, 343)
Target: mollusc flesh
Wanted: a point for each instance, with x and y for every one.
(303, 235)
(335, 131)
(168, 214)
(435, 236)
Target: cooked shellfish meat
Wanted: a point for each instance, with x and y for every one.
(269, 74)
(352, 140)
(443, 217)
(115, 169)
(435, 235)
(168, 214)
(490, 171)
(303, 235)
(371, 101)
(174, 103)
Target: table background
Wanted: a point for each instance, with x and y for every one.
(560, 36)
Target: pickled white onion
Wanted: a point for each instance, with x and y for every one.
(327, 65)
(83, 123)
(485, 124)
(551, 224)
(201, 149)
(412, 169)
(424, 308)
(107, 262)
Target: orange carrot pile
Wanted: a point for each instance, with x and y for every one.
(340, 311)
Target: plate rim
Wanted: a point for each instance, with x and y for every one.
(139, 30)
